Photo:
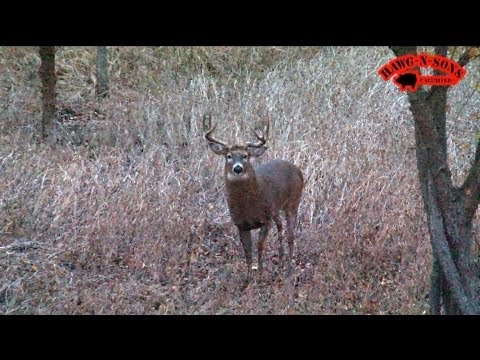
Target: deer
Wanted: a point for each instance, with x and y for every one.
(256, 194)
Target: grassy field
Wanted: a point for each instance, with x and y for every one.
(127, 214)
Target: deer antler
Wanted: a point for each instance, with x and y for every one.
(262, 139)
(207, 124)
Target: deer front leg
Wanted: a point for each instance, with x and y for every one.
(246, 239)
(261, 242)
(291, 219)
(278, 222)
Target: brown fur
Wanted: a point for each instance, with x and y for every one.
(274, 186)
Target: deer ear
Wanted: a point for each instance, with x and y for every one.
(256, 151)
(218, 149)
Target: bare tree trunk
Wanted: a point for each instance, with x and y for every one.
(102, 72)
(48, 80)
(449, 209)
(436, 279)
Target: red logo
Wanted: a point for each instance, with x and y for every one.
(405, 73)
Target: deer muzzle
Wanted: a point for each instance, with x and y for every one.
(238, 169)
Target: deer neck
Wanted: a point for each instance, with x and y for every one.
(248, 206)
(243, 192)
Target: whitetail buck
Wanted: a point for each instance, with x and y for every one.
(255, 195)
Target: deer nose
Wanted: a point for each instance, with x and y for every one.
(237, 169)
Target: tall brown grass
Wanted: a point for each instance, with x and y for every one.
(127, 214)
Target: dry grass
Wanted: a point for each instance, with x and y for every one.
(128, 215)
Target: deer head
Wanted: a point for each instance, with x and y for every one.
(237, 157)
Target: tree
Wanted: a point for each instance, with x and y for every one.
(101, 88)
(48, 81)
(449, 209)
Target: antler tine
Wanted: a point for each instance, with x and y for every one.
(262, 139)
(210, 131)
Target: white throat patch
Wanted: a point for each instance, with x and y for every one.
(232, 177)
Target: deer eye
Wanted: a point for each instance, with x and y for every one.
(244, 156)
(229, 156)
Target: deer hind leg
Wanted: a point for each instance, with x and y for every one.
(246, 239)
(291, 220)
(261, 243)
(278, 222)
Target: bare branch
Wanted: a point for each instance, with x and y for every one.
(444, 257)
(471, 186)
(207, 122)
(48, 81)
(441, 50)
(467, 56)
(435, 288)
(403, 50)
(101, 88)
(20, 245)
